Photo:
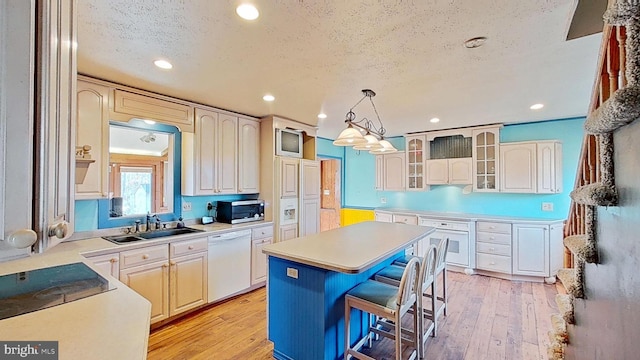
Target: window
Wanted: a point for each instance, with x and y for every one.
(136, 184)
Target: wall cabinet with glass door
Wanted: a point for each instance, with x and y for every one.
(486, 159)
(417, 152)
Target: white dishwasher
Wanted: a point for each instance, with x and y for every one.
(229, 264)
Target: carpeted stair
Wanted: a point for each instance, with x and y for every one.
(621, 109)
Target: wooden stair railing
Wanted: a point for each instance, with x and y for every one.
(609, 78)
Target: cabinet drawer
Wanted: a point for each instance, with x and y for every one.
(405, 219)
(495, 238)
(188, 247)
(494, 227)
(496, 263)
(143, 256)
(262, 232)
(495, 249)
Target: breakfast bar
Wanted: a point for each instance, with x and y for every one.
(309, 276)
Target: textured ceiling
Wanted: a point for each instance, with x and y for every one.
(316, 55)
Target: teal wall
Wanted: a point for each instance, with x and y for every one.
(86, 213)
(358, 179)
(359, 168)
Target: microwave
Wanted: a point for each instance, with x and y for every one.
(236, 212)
(289, 143)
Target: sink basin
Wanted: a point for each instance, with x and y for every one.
(123, 239)
(167, 232)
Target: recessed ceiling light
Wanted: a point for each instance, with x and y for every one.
(268, 97)
(434, 120)
(322, 116)
(163, 64)
(247, 12)
(150, 122)
(536, 106)
(475, 42)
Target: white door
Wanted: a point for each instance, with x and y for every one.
(530, 250)
(379, 173)
(394, 172)
(16, 122)
(549, 167)
(310, 217)
(460, 171)
(206, 126)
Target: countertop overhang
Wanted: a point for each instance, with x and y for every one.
(350, 249)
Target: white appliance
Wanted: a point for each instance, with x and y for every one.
(459, 243)
(289, 143)
(229, 264)
(288, 211)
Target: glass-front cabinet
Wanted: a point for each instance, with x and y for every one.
(417, 153)
(486, 159)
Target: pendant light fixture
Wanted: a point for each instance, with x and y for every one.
(373, 140)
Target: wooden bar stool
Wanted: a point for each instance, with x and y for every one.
(392, 275)
(385, 301)
(441, 268)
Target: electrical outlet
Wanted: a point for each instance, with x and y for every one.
(186, 206)
(547, 206)
(292, 273)
(383, 200)
(209, 206)
(22, 277)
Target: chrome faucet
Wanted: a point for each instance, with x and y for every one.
(148, 227)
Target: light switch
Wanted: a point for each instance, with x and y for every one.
(327, 192)
(547, 206)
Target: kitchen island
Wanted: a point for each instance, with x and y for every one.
(309, 276)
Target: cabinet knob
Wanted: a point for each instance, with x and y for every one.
(190, 247)
(492, 227)
(492, 263)
(22, 238)
(165, 265)
(239, 189)
(58, 230)
(492, 249)
(113, 260)
(172, 263)
(492, 238)
(145, 256)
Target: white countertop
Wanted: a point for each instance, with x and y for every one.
(350, 249)
(466, 216)
(110, 325)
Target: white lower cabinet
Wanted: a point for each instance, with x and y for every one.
(493, 246)
(173, 278)
(383, 217)
(259, 238)
(530, 250)
(108, 264)
(288, 232)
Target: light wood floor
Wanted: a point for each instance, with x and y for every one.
(488, 318)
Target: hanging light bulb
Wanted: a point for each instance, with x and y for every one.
(371, 144)
(386, 148)
(349, 137)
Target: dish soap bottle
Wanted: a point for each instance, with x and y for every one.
(180, 224)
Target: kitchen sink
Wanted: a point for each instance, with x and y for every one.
(167, 232)
(123, 239)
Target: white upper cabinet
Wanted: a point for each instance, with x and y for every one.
(549, 167)
(518, 170)
(92, 128)
(486, 159)
(437, 171)
(289, 176)
(248, 156)
(210, 156)
(227, 159)
(390, 171)
(417, 152)
(531, 167)
(449, 171)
